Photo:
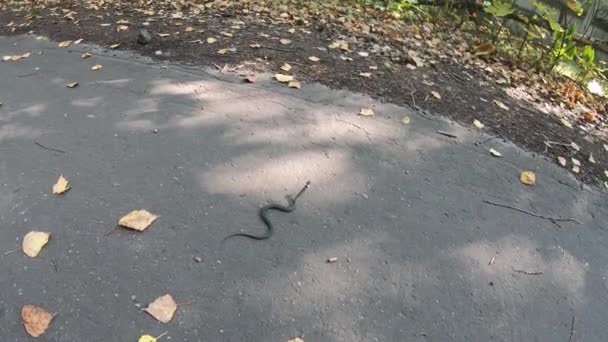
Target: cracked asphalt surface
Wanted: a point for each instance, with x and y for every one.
(420, 255)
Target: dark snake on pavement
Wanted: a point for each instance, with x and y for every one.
(263, 213)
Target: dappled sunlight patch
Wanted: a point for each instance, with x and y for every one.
(16, 131)
(88, 102)
(333, 180)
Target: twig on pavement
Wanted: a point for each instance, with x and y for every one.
(527, 272)
(550, 218)
(571, 330)
(48, 148)
(447, 134)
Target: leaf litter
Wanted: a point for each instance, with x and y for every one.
(33, 242)
(36, 320)
(162, 308)
(138, 220)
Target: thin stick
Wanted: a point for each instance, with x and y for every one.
(571, 330)
(28, 75)
(527, 272)
(161, 335)
(110, 231)
(48, 148)
(447, 134)
(413, 99)
(552, 219)
(480, 142)
(11, 252)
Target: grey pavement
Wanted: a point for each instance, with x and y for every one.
(400, 206)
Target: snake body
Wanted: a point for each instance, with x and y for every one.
(263, 213)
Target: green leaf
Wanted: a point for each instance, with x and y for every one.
(500, 9)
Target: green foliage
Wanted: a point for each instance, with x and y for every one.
(500, 8)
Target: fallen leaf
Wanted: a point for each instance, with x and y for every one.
(15, 58)
(286, 67)
(211, 40)
(162, 308)
(495, 153)
(576, 169)
(33, 242)
(137, 219)
(365, 74)
(147, 338)
(606, 147)
(295, 339)
(410, 66)
(189, 29)
(285, 41)
(591, 159)
(76, 42)
(332, 260)
(227, 34)
(35, 319)
(406, 120)
(292, 30)
(62, 184)
(255, 46)
(478, 124)
(122, 28)
(163, 34)
(501, 105)
(313, 58)
(565, 122)
(363, 53)
(283, 78)
(96, 67)
(575, 146)
(294, 84)
(85, 55)
(485, 49)
(436, 94)
(65, 43)
(576, 162)
(250, 79)
(527, 177)
(562, 161)
(606, 173)
(72, 85)
(114, 46)
(222, 51)
(345, 58)
(366, 112)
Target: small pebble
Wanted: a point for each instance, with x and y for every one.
(332, 260)
(198, 259)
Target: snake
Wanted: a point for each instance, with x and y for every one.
(263, 214)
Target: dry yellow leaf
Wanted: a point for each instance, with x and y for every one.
(283, 78)
(501, 105)
(294, 84)
(285, 41)
(33, 242)
(62, 184)
(222, 51)
(122, 28)
(163, 35)
(295, 339)
(485, 49)
(406, 120)
(575, 146)
(137, 219)
(76, 42)
(227, 34)
(565, 122)
(211, 40)
(436, 94)
(576, 162)
(562, 161)
(286, 67)
(65, 43)
(35, 319)
(366, 112)
(591, 159)
(313, 58)
(114, 46)
(255, 46)
(528, 177)
(189, 29)
(147, 338)
(15, 58)
(162, 308)
(495, 153)
(576, 169)
(478, 124)
(85, 55)
(365, 74)
(96, 67)
(72, 85)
